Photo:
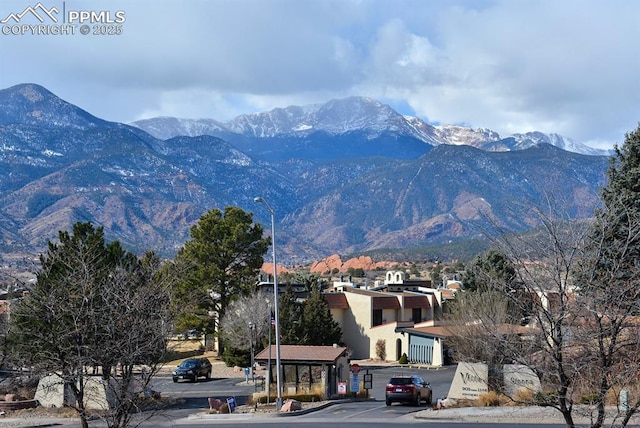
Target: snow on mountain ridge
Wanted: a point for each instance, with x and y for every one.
(423, 129)
(334, 117)
(357, 113)
(531, 138)
(166, 127)
(32, 104)
(462, 135)
(274, 122)
(353, 114)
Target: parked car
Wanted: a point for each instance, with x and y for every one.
(192, 369)
(193, 334)
(408, 389)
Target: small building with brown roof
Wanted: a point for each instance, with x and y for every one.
(306, 369)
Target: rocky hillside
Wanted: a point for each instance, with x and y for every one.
(336, 187)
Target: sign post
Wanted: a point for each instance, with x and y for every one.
(342, 388)
(367, 382)
(231, 402)
(355, 382)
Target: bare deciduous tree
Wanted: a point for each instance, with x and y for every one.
(94, 306)
(253, 310)
(582, 296)
(609, 289)
(544, 264)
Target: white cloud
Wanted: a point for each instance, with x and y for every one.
(567, 67)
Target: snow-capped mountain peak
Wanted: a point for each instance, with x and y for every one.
(462, 135)
(335, 117)
(31, 104)
(532, 138)
(348, 115)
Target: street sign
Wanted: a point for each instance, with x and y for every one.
(355, 383)
(231, 402)
(368, 381)
(354, 368)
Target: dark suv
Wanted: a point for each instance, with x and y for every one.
(408, 389)
(192, 369)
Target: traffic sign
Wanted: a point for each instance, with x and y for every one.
(355, 368)
(355, 383)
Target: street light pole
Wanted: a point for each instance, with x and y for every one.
(275, 302)
(269, 363)
(253, 375)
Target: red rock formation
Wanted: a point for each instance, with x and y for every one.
(327, 265)
(268, 269)
(335, 262)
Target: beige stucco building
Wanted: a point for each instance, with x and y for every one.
(383, 312)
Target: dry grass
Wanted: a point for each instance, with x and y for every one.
(57, 412)
(184, 345)
(523, 395)
(181, 349)
(316, 390)
(489, 399)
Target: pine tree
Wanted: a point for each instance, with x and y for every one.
(223, 257)
(318, 326)
(617, 228)
(290, 317)
(608, 281)
(491, 270)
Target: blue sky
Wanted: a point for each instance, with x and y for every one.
(558, 66)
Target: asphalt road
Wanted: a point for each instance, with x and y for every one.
(195, 395)
(191, 408)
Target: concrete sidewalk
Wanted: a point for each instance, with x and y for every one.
(582, 415)
(38, 421)
(505, 415)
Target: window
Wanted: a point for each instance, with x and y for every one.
(416, 314)
(290, 373)
(377, 317)
(304, 375)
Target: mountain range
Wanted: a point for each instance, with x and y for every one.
(346, 176)
(370, 127)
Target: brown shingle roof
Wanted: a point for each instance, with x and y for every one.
(293, 353)
(411, 302)
(364, 292)
(385, 303)
(451, 330)
(336, 300)
(436, 330)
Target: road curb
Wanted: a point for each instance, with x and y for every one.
(249, 415)
(309, 410)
